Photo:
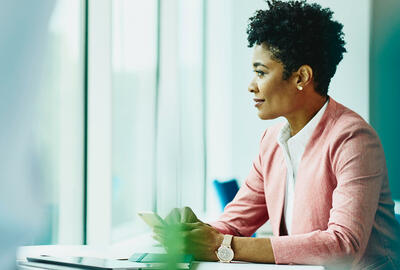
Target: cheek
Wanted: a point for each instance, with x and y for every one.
(269, 88)
(264, 86)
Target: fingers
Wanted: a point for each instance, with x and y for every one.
(196, 238)
(158, 229)
(158, 238)
(187, 238)
(174, 217)
(179, 227)
(191, 226)
(183, 215)
(187, 215)
(197, 226)
(171, 231)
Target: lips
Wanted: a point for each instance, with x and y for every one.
(258, 101)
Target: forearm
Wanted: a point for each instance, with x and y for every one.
(252, 249)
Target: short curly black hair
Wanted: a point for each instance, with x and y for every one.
(298, 33)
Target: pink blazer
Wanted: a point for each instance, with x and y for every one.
(343, 211)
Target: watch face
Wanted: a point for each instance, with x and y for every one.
(225, 254)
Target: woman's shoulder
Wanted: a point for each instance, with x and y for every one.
(346, 134)
(343, 120)
(271, 132)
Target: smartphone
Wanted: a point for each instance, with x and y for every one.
(82, 262)
(152, 219)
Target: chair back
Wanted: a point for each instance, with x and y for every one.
(226, 191)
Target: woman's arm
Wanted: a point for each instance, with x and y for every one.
(252, 249)
(203, 241)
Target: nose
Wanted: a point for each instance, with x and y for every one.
(252, 88)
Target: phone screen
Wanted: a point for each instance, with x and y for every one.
(88, 262)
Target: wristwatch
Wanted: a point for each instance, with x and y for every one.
(225, 253)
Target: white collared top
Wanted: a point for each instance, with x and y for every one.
(293, 149)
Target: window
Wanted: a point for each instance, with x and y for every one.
(157, 110)
(59, 130)
(134, 71)
(181, 157)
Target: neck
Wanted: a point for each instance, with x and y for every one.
(301, 117)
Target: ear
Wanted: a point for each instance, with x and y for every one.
(304, 75)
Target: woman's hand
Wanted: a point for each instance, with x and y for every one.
(199, 239)
(185, 233)
(183, 215)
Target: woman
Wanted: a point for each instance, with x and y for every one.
(320, 178)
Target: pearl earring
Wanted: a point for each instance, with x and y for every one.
(300, 87)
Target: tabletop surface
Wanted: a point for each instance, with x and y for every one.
(249, 266)
(126, 249)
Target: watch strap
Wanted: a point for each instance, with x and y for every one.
(227, 240)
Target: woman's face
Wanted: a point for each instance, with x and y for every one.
(274, 96)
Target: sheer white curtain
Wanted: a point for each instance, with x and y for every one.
(146, 125)
(134, 67)
(180, 163)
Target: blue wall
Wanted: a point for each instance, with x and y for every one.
(385, 83)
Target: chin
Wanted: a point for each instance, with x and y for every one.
(266, 116)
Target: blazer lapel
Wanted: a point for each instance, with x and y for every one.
(276, 193)
(281, 200)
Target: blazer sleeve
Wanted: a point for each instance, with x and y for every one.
(358, 162)
(248, 210)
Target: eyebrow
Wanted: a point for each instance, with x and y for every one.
(256, 64)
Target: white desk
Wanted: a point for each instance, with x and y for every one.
(141, 244)
(249, 266)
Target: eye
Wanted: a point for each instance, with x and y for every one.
(259, 73)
